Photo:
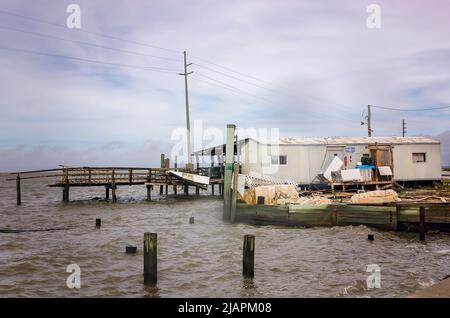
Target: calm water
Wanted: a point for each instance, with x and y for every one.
(195, 260)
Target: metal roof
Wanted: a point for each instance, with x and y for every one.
(344, 141)
(350, 140)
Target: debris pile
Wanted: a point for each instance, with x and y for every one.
(281, 194)
(377, 196)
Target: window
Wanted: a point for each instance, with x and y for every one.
(419, 157)
(279, 160)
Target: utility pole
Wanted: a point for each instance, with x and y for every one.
(404, 128)
(188, 123)
(369, 123)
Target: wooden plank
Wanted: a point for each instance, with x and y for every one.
(377, 216)
(310, 215)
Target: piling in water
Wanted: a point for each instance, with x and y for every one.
(129, 249)
(422, 226)
(149, 192)
(234, 192)
(150, 258)
(370, 237)
(191, 220)
(248, 260)
(19, 199)
(175, 189)
(98, 222)
(107, 192)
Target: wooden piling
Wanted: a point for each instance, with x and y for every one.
(234, 192)
(229, 156)
(248, 260)
(107, 192)
(186, 190)
(66, 193)
(197, 191)
(98, 222)
(149, 192)
(212, 189)
(19, 195)
(191, 220)
(167, 189)
(150, 258)
(175, 189)
(422, 226)
(161, 190)
(113, 187)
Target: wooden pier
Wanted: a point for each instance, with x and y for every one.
(111, 178)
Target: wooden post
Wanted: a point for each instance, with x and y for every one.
(234, 192)
(149, 192)
(248, 260)
(167, 189)
(19, 197)
(175, 189)
(66, 190)
(107, 192)
(66, 186)
(130, 176)
(161, 190)
(422, 226)
(197, 191)
(212, 189)
(228, 171)
(90, 176)
(113, 186)
(98, 222)
(191, 220)
(150, 258)
(186, 190)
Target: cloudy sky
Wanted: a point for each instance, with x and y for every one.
(307, 67)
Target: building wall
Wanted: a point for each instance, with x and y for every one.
(406, 169)
(305, 162)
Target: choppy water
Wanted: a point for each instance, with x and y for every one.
(203, 259)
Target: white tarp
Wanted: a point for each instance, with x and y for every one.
(385, 171)
(351, 175)
(335, 165)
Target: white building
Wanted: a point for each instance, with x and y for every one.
(302, 159)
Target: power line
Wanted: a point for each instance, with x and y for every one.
(89, 44)
(410, 110)
(87, 31)
(233, 77)
(232, 87)
(147, 68)
(230, 69)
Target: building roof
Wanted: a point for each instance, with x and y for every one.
(338, 141)
(350, 140)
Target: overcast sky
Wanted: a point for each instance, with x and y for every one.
(311, 67)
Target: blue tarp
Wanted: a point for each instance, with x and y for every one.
(365, 167)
